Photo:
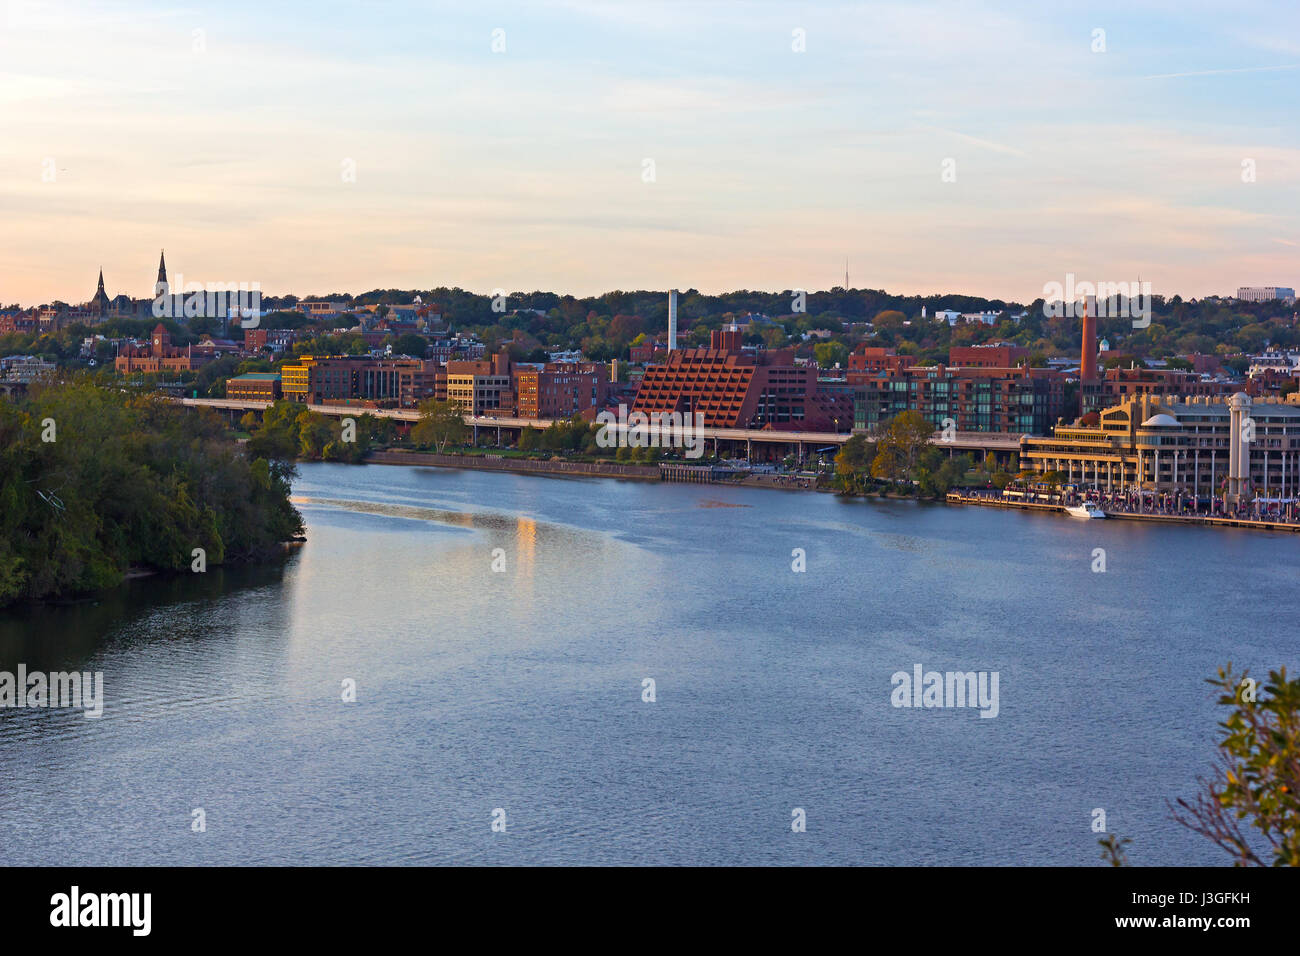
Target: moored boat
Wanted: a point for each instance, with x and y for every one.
(1086, 510)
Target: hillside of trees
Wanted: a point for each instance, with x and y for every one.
(95, 482)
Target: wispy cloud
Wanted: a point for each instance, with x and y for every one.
(1243, 69)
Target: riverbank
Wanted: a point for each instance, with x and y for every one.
(673, 472)
(525, 466)
(955, 497)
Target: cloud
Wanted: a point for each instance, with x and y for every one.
(1243, 69)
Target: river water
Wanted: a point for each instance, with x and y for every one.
(516, 695)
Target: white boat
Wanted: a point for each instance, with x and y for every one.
(1085, 510)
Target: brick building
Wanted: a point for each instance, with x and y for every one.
(998, 355)
(871, 358)
(1011, 400)
(160, 355)
(483, 387)
(277, 340)
(560, 389)
(737, 388)
(1115, 385)
(335, 379)
(255, 386)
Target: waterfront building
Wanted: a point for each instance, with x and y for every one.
(734, 387)
(349, 379)
(1197, 445)
(1117, 384)
(1008, 400)
(484, 387)
(254, 386)
(561, 389)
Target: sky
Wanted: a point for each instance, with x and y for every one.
(580, 146)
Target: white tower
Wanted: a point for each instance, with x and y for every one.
(1239, 439)
(672, 319)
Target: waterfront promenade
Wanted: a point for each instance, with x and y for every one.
(1129, 508)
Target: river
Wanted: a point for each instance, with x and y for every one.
(516, 695)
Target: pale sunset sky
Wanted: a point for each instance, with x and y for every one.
(224, 132)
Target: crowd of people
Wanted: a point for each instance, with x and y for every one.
(1168, 504)
(1181, 504)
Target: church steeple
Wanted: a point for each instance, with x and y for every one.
(100, 303)
(162, 267)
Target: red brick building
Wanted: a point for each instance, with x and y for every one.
(159, 356)
(870, 358)
(24, 322)
(736, 388)
(1000, 355)
(1009, 400)
(561, 389)
(276, 339)
(1117, 384)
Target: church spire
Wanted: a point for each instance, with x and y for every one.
(162, 266)
(100, 302)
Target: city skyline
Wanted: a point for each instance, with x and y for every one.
(343, 154)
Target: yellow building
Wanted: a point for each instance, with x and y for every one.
(295, 380)
(1196, 446)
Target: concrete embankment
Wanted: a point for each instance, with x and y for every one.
(960, 499)
(524, 466)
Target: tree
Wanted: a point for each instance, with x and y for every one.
(901, 442)
(440, 424)
(410, 344)
(829, 354)
(852, 464)
(133, 480)
(1258, 781)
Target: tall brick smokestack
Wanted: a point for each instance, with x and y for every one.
(1088, 360)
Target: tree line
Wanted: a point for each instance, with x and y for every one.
(97, 481)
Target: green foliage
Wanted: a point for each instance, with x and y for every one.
(900, 444)
(1251, 809)
(830, 354)
(441, 424)
(129, 481)
(900, 459)
(1112, 850)
(853, 465)
(288, 431)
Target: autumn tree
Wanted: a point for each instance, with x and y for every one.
(441, 424)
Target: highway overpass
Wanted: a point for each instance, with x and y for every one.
(797, 442)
